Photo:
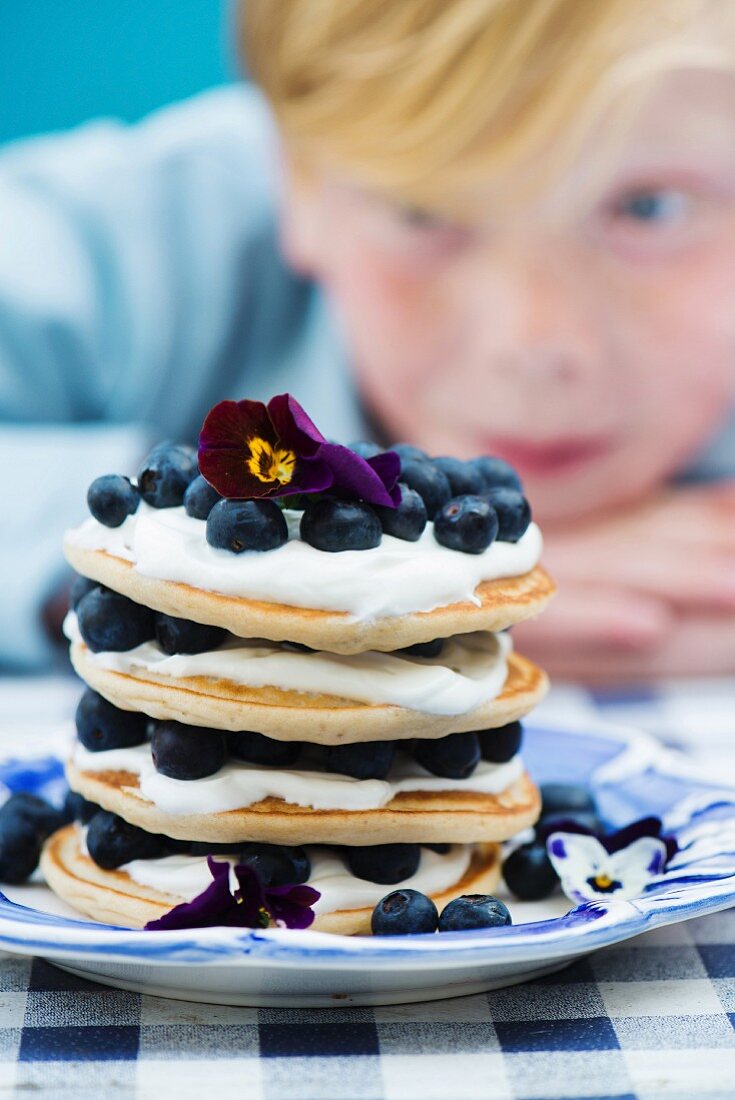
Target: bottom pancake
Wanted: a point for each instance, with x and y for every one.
(115, 898)
(415, 817)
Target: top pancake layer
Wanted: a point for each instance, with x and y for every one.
(501, 603)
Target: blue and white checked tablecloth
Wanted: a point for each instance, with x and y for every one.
(649, 1019)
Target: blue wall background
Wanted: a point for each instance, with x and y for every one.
(64, 61)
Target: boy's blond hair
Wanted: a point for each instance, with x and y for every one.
(423, 99)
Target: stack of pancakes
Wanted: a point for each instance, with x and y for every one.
(309, 675)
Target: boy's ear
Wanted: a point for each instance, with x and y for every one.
(300, 217)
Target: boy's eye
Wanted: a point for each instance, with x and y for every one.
(415, 217)
(651, 207)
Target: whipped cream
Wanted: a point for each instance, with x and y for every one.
(394, 578)
(470, 670)
(238, 785)
(187, 876)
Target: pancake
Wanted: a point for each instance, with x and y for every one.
(410, 817)
(297, 716)
(114, 898)
(501, 603)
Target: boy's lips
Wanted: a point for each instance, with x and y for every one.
(559, 456)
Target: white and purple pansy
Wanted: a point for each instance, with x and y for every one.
(620, 865)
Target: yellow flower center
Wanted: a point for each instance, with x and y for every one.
(603, 882)
(269, 463)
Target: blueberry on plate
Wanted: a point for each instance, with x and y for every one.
(426, 479)
(408, 453)
(495, 472)
(111, 841)
(570, 820)
(276, 864)
(256, 748)
(365, 448)
(561, 798)
(336, 525)
(368, 760)
(424, 649)
(500, 745)
(513, 512)
(20, 848)
(109, 622)
(468, 523)
(408, 520)
(79, 589)
(238, 525)
(528, 872)
(200, 498)
(474, 911)
(40, 815)
(112, 498)
(384, 863)
(166, 474)
(464, 478)
(78, 808)
(404, 912)
(452, 757)
(102, 726)
(187, 752)
(183, 636)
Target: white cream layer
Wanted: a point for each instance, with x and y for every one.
(238, 785)
(395, 578)
(470, 671)
(187, 876)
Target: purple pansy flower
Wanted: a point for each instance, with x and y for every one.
(619, 865)
(252, 905)
(248, 450)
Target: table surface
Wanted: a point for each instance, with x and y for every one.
(652, 1018)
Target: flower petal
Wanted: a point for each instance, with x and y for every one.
(576, 858)
(291, 905)
(636, 865)
(294, 427)
(227, 454)
(215, 905)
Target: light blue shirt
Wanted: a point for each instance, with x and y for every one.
(140, 282)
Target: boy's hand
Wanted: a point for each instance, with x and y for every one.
(642, 594)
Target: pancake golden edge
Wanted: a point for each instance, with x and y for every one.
(299, 716)
(411, 817)
(114, 898)
(502, 603)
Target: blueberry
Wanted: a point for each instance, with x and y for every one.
(79, 589)
(276, 864)
(255, 748)
(182, 636)
(408, 520)
(495, 473)
(166, 473)
(210, 848)
(77, 808)
(101, 726)
(384, 863)
(558, 798)
(424, 649)
(452, 757)
(335, 525)
(474, 911)
(440, 849)
(20, 848)
(111, 499)
(407, 452)
(498, 746)
(365, 449)
(463, 477)
(513, 512)
(466, 523)
(187, 752)
(368, 760)
(571, 820)
(528, 872)
(200, 498)
(40, 815)
(404, 912)
(111, 841)
(296, 647)
(111, 622)
(238, 525)
(431, 483)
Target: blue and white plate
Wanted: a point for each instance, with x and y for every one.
(632, 776)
